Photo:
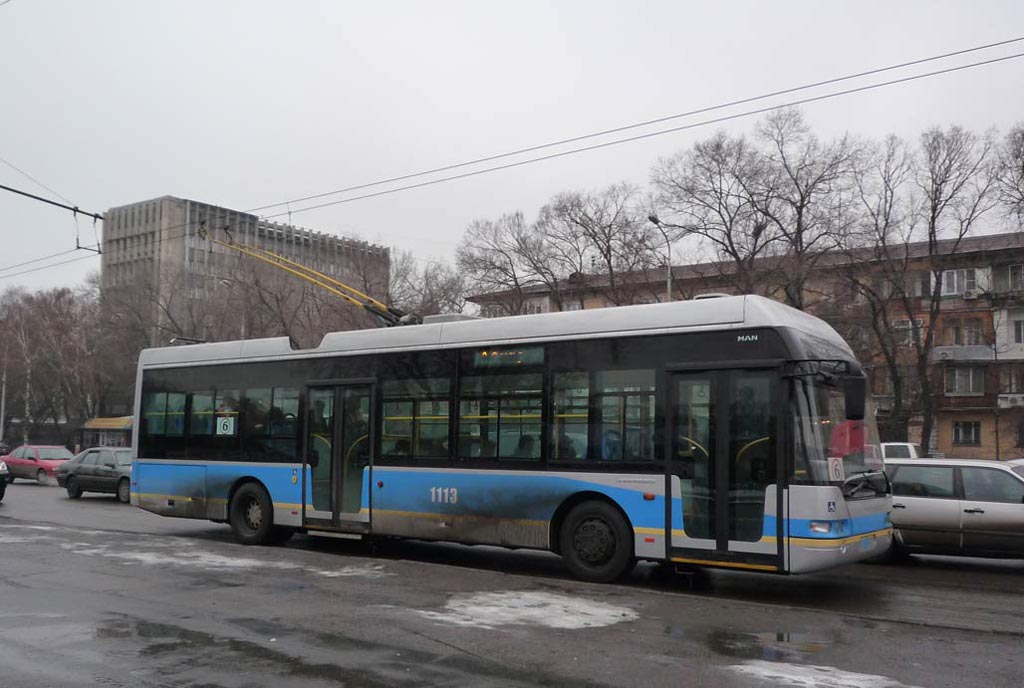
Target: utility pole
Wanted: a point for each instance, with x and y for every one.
(653, 219)
(3, 396)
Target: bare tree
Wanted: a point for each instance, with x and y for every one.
(805, 191)
(879, 268)
(490, 257)
(620, 244)
(955, 176)
(707, 192)
(435, 288)
(1011, 177)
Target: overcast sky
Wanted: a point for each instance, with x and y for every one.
(248, 103)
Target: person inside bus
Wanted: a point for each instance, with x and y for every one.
(318, 417)
(611, 446)
(524, 450)
(566, 448)
(402, 448)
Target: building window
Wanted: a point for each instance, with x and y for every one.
(956, 282)
(1018, 331)
(919, 283)
(1020, 434)
(1016, 277)
(573, 306)
(967, 433)
(965, 380)
(902, 332)
(973, 332)
(1012, 379)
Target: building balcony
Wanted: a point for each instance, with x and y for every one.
(963, 353)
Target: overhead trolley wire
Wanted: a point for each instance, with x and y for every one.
(606, 144)
(661, 132)
(659, 120)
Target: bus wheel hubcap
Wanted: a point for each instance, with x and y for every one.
(594, 541)
(253, 515)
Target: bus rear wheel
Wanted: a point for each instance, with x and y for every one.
(597, 542)
(251, 515)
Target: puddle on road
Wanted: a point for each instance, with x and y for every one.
(771, 647)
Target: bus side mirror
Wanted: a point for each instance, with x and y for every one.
(855, 389)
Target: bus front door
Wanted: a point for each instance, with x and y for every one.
(338, 457)
(723, 461)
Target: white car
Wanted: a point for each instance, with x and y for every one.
(958, 506)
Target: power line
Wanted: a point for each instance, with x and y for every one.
(37, 260)
(29, 176)
(662, 132)
(46, 267)
(659, 120)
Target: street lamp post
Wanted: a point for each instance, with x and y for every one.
(668, 259)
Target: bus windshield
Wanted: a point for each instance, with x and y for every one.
(829, 448)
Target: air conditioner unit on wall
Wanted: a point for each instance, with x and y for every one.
(944, 355)
(971, 293)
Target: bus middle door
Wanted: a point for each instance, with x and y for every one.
(339, 447)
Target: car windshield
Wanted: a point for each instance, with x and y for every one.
(1019, 470)
(54, 453)
(123, 458)
(831, 449)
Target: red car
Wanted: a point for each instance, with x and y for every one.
(35, 462)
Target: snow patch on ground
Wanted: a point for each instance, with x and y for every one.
(519, 608)
(809, 676)
(216, 562)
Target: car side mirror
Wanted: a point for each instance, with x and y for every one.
(855, 390)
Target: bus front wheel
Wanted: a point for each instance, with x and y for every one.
(251, 515)
(597, 542)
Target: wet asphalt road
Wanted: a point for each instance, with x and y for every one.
(93, 592)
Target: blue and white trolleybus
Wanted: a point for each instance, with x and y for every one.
(726, 432)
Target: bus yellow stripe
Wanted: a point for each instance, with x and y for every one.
(726, 564)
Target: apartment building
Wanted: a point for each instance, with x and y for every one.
(977, 359)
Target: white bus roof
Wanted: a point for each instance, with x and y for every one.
(732, 312)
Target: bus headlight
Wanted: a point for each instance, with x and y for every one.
(824, 527)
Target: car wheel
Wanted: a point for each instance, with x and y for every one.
(41, 477)
(3, 489)
(597, 542)
(251, 515)
(10, 478)
(124, 491)
(73, 488)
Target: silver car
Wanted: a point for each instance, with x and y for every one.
(958, 506)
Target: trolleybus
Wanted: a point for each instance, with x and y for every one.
(727, 432)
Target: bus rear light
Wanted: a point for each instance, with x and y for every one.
(824, 527)
(648, 539)
(649, 496)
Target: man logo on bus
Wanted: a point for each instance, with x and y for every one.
(746, 338)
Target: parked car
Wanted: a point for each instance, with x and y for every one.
(901, 450)
(958, 506)
(35, 462)
(102, 469)
(3, 479)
